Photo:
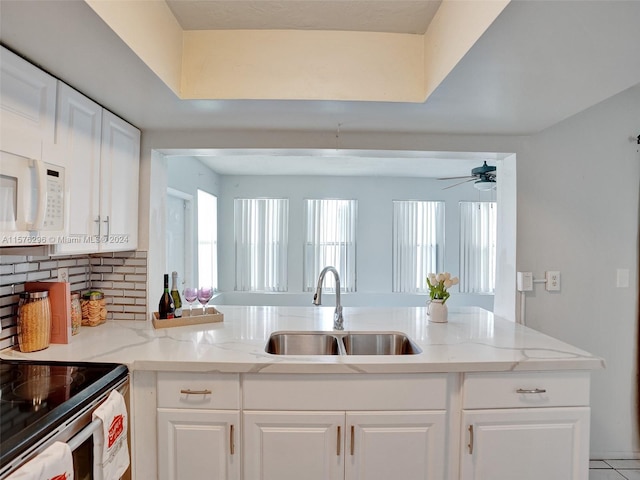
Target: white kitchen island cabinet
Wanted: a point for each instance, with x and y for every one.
(370, 426)
(527, 444)
(195, 444)
(198, 426)
(294, 445)
(344, 445)
(535, 424)
(523, 394)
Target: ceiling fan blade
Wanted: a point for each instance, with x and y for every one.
(459, 183)
(456, 178)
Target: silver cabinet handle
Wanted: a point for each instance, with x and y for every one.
(108, 227)
(531, 390)
(470, 439)
(353, 440)
(188, 391)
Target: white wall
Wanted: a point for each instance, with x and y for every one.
(188, 175)
(578, 213)
(373, 236)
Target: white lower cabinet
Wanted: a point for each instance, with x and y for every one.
(198, 444)
(293, 445)
(387, 445)
(198, 426)
(474, 426)
(344, 445)
(528, 426)
(527, 444)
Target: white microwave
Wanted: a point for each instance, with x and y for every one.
(32, 201)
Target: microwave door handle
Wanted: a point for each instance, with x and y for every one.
(41, 175)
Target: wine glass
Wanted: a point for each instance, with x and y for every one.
(204, 295)
(190, 294)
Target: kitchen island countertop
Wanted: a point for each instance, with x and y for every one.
(473, 340)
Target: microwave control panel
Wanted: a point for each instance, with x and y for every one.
(54, 216)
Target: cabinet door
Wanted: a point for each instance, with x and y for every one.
(198, 444)
(527, 444)
(78, 136)
(27, 106)
(293, 445)
(120, 164)
(406, 445)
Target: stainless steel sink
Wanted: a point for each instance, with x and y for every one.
(374, 343)
(303, 343)
(340, 343)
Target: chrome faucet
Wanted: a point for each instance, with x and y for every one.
(338, 321)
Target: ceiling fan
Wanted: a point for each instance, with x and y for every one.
(484, 178)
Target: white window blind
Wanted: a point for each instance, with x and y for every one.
(261, 236)
(330, 239)
(478, 232)
(418, 244)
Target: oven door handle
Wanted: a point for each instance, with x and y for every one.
(84, 434)
(80, 437)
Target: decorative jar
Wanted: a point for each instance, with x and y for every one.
(437, 311)
(34, 321)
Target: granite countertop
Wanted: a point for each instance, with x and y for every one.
(473, 340)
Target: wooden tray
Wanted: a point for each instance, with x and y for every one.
(197, 317)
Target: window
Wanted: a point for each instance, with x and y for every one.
(207, 239)
(330, 239)
(418, 244)
(261, 231)
(478, 232)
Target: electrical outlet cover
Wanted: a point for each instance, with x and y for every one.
(553, 281)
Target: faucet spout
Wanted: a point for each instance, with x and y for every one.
(338, 321)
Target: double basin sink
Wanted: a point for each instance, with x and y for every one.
(340, 343)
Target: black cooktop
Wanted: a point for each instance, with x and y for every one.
(36, 397)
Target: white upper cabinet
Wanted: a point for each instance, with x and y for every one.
(27, 107)
(43, 118)
(102, 153)
(78, 138)
(119, 171)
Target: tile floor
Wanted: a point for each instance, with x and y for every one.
(614, 470)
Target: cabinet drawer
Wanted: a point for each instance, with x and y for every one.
(345, 392)
(198, 390)
(531, 389)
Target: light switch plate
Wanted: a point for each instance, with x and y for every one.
(622, 278)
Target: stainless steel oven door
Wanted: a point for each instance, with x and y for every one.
(82, 442)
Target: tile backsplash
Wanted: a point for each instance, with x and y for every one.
(122, 276)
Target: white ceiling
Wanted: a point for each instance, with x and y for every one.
(539, 63)
(393, 16)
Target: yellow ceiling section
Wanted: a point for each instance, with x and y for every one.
(299, 64)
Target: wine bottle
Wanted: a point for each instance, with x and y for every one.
(175, 295)
(165, 307)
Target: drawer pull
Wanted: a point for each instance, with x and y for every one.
(531, 390)
(470, 445)
(338, 442)
(188, 391)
